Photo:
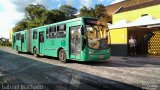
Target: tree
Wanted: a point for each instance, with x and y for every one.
(99, 12)
(20, 26)
(84, 11)
(53, 16)
(34, 11)
(68, 10)
(38, 15)
(33, 17)
(35, 23)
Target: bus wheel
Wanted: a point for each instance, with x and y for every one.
(62, 56)
(35, 52)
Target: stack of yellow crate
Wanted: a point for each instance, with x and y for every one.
(154, 44)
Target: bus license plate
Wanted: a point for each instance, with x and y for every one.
(101, 56)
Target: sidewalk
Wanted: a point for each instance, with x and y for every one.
(136, 57)
(135, 61)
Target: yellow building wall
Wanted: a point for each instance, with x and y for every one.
(10, 35)
(135, 14)
(118, 36)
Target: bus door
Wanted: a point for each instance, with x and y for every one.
(41, 42)
(14, 42)
(22, 42)
(75, 45)
(18, 41)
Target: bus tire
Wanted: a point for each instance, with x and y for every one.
(62, 56)
(35, 52)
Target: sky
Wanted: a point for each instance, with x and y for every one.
(12, 11)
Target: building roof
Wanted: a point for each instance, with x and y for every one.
(111, 9)
(139, 6)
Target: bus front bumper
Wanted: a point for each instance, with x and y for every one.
(103, 57)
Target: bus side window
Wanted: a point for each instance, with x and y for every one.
(41, 36)
(61, 30)
(34, 34)
(52, 32)
(18, 36)
(22, 37)
(47, 32)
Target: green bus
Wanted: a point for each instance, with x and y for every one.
(81, 39)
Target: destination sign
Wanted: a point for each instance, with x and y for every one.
(94, 22)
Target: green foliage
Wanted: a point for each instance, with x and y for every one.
(35, 23)
(99, 12)
(34, 15)
(53, 16)
(84, 11)
(20, 25)
(34, 11)
(33, 18)
(68, 10)
(38, 15)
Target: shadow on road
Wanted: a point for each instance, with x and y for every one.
(136, 61)
(22, 70)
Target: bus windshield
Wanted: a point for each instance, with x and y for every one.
(98, 36)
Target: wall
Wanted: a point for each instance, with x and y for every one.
(10, 35)
(119, 42)
(135, 14)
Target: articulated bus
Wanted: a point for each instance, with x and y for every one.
(81, 39)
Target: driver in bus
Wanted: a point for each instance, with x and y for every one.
(92, 35)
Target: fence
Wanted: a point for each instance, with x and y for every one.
(5, 44)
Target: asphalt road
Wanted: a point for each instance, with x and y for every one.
(24, 71)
